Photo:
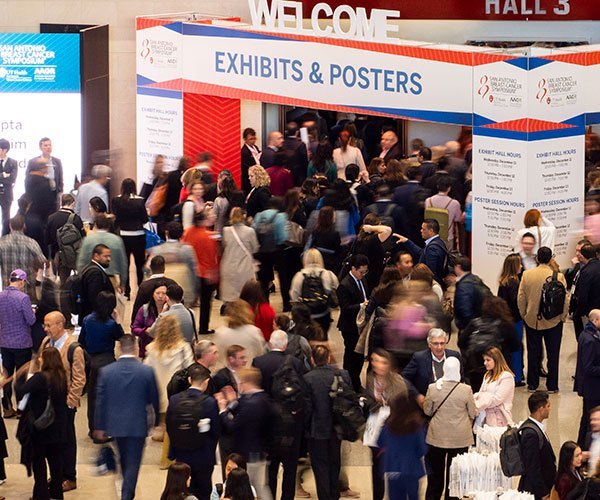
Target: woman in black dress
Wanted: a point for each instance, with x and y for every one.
(326, 239)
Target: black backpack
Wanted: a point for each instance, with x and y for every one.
(294, 348)
(552, 301)
(510, 449)
(266, 234)
(177, 210)
(348, 416)
(69, 241)
(88, 363)
(287, 393)
(74, 290)
(179, 382)
(485, 334)
(313, 294)
(183, 419)
(386, 218)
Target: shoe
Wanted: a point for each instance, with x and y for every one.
(543, 373)
(69, 485)
(531, 389)
(520, 384)
(554, 391)
(349, 494)
(207, 332)
(222, 310)
(301, 493)
(2, 481)
(9, 413)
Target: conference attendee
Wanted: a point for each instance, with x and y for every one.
(569, 473)
(227, 196)
(321, 166)
(94, 280)
(427, 366)
(98, 336)
(130, 216)
(193, 204)
(391, 149)
(39, 188)
(205, 354)
(353, 292)
(147, 316)
(249, 419)
(127, 397)
(469, 294)
(54, 166)
(347, 154)
(177, 484)
(527, 251)
(451, 405)
(538, 328)
(411, 197)
(274, 143)
(18, 251)
(587, 296)
(74, 364)
(281, 178)
(235, 359)
(587, 376)
(205, 245)
(296, 151)
(543, 231)
(592, 441)
(537, 456)
(16, 320)
(264, 314)
(403, 261)
(326, 239)
(185, 316)
(232, 462)
(250, 156)
(34, 228)
(259, 195)
(47, 388)
(144, 293)
(95, 187)
(202, 170)
(180, 260)
(427, 166)
(8, 176)
(390, 214)
(434, 254)
(199, 455)
(443, 201)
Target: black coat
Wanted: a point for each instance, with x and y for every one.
(297, 158)
(257, 201)
(224, 377)
(10, 167)
(539, 463)
(247, 159)
(267, 158)
(130, 213)
(419, 371)
(93, 281)
(43, 198)
(145, 291)
(587, 373)
(509, 293)
(587, 290)
(350, 298)
(269, 363)
(468, 300)
(58, 171)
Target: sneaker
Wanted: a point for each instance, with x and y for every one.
(69, 485)
(349, 494)
(553, 391)
(520, 384)
(531, 389)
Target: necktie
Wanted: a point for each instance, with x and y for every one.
(362, 289)
(1, 165)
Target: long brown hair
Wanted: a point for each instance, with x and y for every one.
(496, 308)
(53, 368)
(500, 364)
(370, 220)
(510, 269)
(405, 416)
(325, 220)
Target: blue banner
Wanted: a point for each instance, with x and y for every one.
(33, 62)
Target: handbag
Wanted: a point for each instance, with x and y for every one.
(255, 263)
(375, 423)
(46, 419)
(157, 199)
(152, 237)
(295, 235)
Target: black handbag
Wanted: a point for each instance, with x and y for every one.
(46, 419)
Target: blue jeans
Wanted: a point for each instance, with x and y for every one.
(402, 486)
(516, 364)
(130, 455)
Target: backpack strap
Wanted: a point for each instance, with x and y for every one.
(70, 219)
(448, 204)
(538, 431)
(193, 324)
(71, 355)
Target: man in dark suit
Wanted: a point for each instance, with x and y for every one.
(274, 142)
(94, 280)
(390, 147)
(586, 289)
(287, 456)
(296, 153)
(411, 197)
(249, 419)
(428, 168)
(8, 176)
(539, 462)
(387, 210)
(435, 254)
(469, 294)
(54, 165)
(201, 459)
(587, 374)
(125, 390)
(427, 366)
(39, 187)
(352, 292)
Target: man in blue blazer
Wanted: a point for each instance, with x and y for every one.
(427, 366)
(201, 459)
(125, 389)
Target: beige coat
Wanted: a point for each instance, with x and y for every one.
(530, 293)
(452, 425)
(237, 265)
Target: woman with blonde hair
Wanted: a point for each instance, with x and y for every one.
(313, 266)
(240, 330)
(259, 195)
(542, 229)
(167, 354)
(237, 262)
(495, 397)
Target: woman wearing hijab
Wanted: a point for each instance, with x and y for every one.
(452, 408)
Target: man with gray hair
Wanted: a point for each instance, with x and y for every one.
(427, 366)
(95, 187)
(276, 365)
(206, 354)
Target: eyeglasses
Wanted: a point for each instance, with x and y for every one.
(437, 343)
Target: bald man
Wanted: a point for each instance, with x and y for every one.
(74, 362)
(390, 147)
(275, 140)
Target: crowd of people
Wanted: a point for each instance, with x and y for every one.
(330, 225)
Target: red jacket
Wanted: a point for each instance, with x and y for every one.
(281, 180)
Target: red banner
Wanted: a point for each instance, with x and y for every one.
(489, 10)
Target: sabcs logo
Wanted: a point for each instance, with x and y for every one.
(542, 91)
(484, 87)
(145, 52)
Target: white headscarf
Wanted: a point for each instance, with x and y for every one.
(451, 372)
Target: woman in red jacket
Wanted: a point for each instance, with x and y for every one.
(264, 314)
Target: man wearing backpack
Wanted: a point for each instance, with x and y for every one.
(537, 456)
(74, 361)
(282, 380)
(389, 213)
(543, 306)
(445, 210)
(469, 295)
(194, 427)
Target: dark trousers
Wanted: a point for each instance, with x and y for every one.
(53, 453)
(63, 273)
(70, 448)
(5, 205)
(439, 462)
(516, 364)
(325, 458)
(97, 361)
(403, 486)
(205, 292)
(201, 481)
(577, 325)
(265, 273)
(324, 322)
(377, 479)
(584, 424)
(353, 362)
(12, 360)
(131, 450)
(135, 245)
(288, 458)
(552, 338)
(288, 264)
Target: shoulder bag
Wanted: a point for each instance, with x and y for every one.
(46, 419)
(255, 263)
(444, 400)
